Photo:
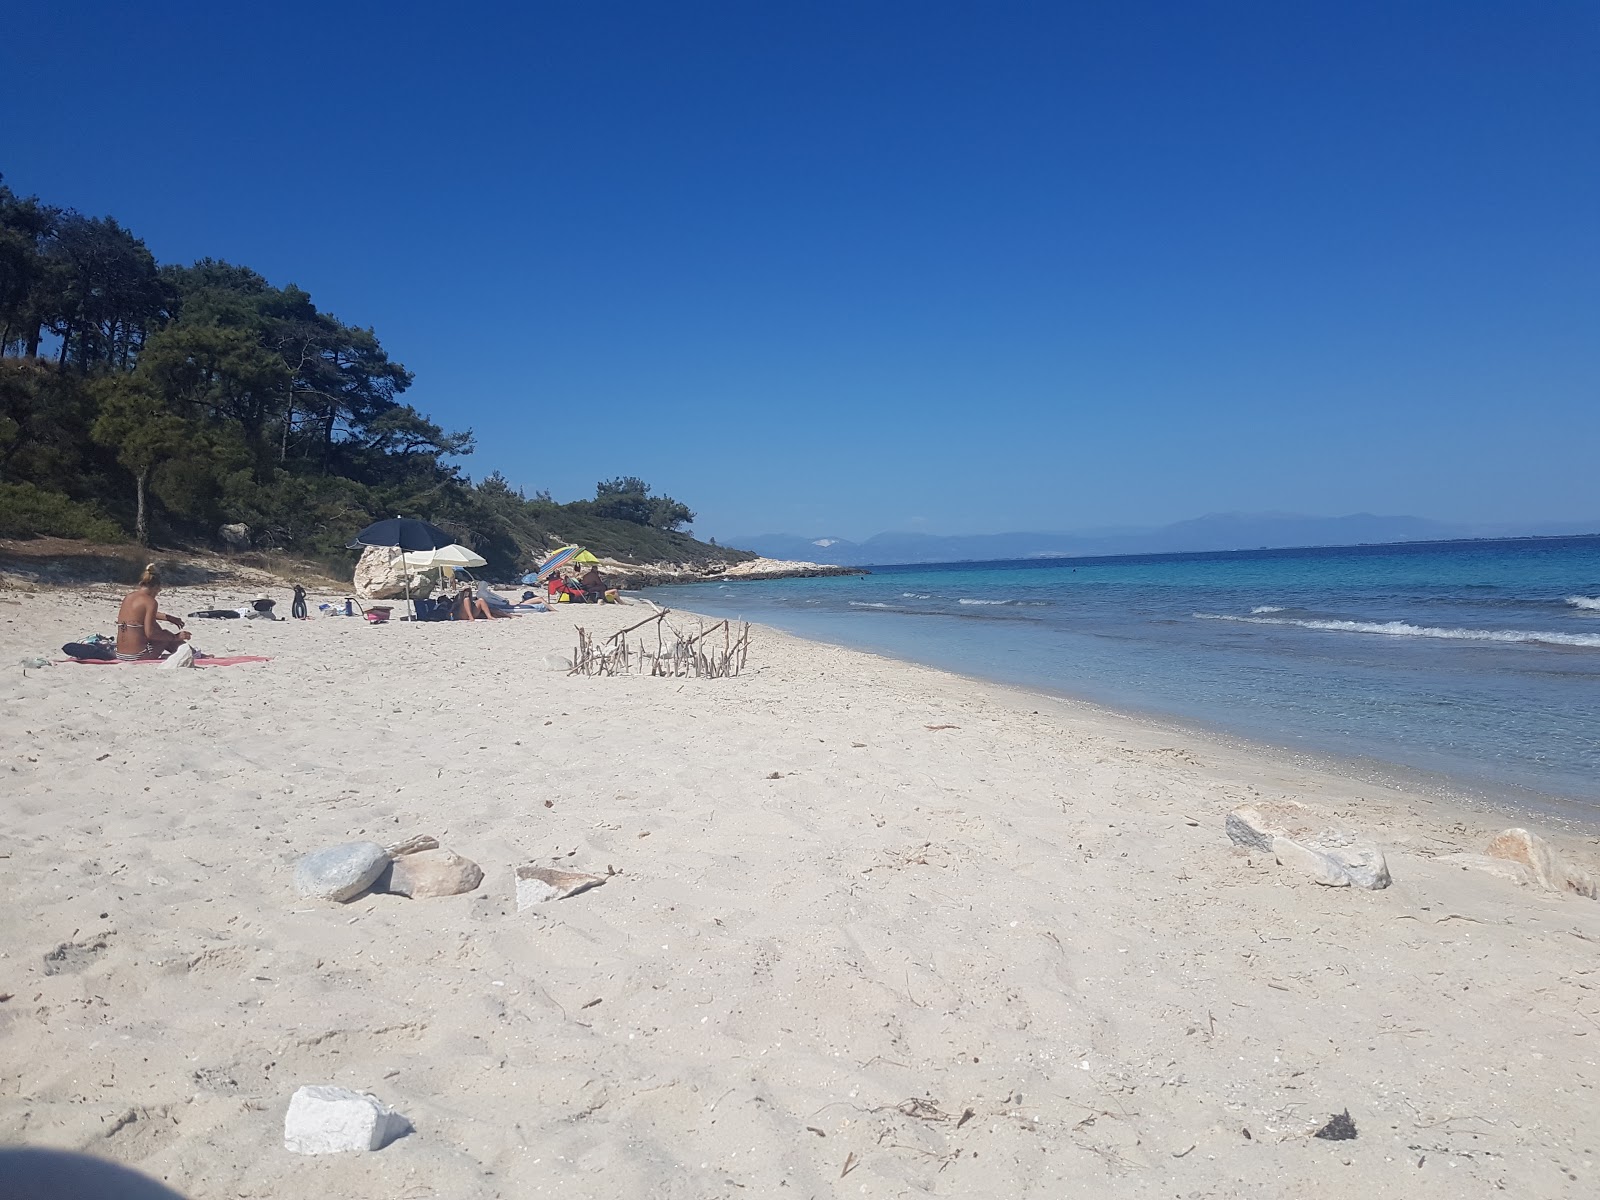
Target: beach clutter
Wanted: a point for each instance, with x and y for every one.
(336, 1120)
(1289, 831)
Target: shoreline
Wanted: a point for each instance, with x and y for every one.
(847, 900)
(1453, 794)
(1459, 787)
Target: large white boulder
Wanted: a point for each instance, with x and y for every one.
(336, 1120)
(380, 575)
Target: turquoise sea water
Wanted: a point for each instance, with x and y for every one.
(1479, 661)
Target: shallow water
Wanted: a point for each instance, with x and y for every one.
(1479, 661)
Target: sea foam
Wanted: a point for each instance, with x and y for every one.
(1406, 629)
(1267, 608)
(1588, 603)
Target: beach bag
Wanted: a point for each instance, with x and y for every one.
(89, 650)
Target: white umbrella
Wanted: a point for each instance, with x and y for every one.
(445, 556)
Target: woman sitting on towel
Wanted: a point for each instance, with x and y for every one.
(138, 635)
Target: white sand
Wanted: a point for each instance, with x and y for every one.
(795, 986)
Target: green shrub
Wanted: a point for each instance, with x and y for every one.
(28, 511)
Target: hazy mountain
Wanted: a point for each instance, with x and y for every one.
(1218, 531)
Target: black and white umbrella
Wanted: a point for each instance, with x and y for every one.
(404, 534)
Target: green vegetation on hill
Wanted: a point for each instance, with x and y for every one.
(165, 402)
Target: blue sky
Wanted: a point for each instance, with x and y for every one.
(841, 268)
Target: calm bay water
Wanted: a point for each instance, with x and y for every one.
(1479, 661)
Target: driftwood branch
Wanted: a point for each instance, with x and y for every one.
(680, 657)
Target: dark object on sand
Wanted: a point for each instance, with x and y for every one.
(1340, 1128)
(37, 1174)
(89, 650)
(215, 614)
(297, 610)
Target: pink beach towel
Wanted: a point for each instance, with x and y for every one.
(199, 662)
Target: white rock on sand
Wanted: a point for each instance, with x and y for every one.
(1290, 832)
(336, 1120)
(1026, 917)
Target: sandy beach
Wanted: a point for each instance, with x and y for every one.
(869, 929)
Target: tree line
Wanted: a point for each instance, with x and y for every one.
(163, 402)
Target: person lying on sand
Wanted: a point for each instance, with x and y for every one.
(469, 608)
(138, 635)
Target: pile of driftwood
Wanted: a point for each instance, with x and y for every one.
(676, 654)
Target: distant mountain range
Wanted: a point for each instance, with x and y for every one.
(1219, 531)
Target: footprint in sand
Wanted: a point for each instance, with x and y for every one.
(73, 956)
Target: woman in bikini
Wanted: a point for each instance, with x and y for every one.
(138, 635)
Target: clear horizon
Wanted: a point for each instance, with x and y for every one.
(854, 269)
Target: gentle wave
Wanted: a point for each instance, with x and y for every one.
(1406, 629)
(1588, 603)
(915, 596)
(1012, 603)
(870, 604)
(1266, 608)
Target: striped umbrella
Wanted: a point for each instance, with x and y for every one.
(556, 561)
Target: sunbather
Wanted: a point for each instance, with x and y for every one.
(469, 608)
(138, 634)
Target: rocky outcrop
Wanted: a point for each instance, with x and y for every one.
(1292, 833)
(379, 575)
(637, 575)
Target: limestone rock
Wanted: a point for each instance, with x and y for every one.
(340, 872)
(538, 885)
(1288, 830)
(428, 873)
(1549, 870)
(1254, 826)
(334, 1120)
(380, 576)
(1499, 867)
(235, 537)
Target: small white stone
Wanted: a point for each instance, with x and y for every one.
(336, 1120)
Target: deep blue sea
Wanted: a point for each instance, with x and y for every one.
(1475, 661)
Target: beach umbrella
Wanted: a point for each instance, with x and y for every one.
(447, 556)
(557, 560)
(583, 556)
(406, 535)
